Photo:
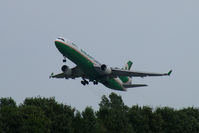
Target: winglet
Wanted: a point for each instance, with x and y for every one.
(169, 73)
(51, 75)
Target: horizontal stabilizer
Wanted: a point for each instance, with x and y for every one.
(134, 85)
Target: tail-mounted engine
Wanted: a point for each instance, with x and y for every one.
(104, 68)
(66, 70)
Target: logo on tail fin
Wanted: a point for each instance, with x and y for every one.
(128, 65)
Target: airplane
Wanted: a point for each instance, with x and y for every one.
(90, 70)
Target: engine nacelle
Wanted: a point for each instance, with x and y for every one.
(66, 70)
(106, 69)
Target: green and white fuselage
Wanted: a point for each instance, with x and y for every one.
(86, 63)
(89, 68)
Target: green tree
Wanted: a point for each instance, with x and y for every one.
(10, 120)
(78, 122)
(188, 121)
(89, 121)
(7, 102)
(112, 115)
(137, 120)
(33, 120)
(46, 115)
(170, 119)
(60, 115)
(143, 120)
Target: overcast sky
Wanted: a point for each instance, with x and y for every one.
(156, 35)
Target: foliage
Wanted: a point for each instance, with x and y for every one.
(47, 115)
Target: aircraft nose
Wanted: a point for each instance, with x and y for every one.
(56, 43)
(59, 40)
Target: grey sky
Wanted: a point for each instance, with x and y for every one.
(156, 35)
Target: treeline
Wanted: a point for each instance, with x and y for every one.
(46, 115)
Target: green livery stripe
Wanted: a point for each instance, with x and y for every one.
(78, 58)
(124, 79)
(62, 51)
(113, 84)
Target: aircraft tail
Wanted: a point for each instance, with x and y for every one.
(125, 79)
(128, 65)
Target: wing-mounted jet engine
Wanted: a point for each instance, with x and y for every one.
(66, 70)
(105, 69)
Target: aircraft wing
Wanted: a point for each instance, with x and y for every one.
(76, 73)
(60, 75)
(115, 72)
(120, 72)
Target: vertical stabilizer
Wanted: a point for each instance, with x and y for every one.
(128, 65)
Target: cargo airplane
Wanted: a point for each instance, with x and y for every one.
(90, 70)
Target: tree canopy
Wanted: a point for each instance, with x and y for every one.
(46, 115)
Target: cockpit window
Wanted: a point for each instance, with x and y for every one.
(61, 39)
(74, 44)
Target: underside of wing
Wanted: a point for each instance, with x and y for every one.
(75, 73)
(115, 72)
(120, 72)
(60, 75)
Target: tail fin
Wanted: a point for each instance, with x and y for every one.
(128, 65)
(126, 79)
